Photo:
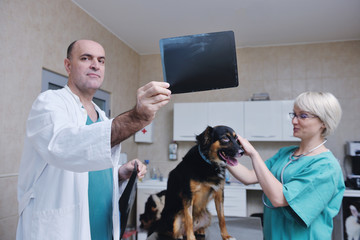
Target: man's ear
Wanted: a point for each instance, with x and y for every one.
(67, 65)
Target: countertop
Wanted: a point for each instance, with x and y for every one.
(241, 228)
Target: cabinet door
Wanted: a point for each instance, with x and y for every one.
(263, 120)
(190, 119)
(230, 114)
(234, 203)
(287, 127)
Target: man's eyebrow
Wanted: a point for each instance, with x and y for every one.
(89, 55)
(86, 55)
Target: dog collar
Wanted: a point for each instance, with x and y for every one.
(203, 156)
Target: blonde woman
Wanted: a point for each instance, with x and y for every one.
(303, 185)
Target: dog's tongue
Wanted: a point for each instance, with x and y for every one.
(231, 161)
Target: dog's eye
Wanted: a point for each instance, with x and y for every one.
(225, 139)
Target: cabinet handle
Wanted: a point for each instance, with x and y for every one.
(271, 136)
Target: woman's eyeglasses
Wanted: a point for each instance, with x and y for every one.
(301, 115)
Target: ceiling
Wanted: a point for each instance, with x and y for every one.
(142, 23)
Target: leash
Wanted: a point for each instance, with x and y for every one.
(203, 156)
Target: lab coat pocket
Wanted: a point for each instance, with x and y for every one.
(56, 224)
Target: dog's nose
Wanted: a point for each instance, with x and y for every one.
(241, 151)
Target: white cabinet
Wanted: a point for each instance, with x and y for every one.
(234, 202)
(144, 190)
(255, 120)
(191, 119)
(287, 127)
(262, 120)
(268, 121)
(230, 114)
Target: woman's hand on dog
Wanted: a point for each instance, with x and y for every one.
(248, 148)
(126, 169)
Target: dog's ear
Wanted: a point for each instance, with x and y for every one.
(205, 137)
(354, 211)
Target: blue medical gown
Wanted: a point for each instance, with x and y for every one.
(313, 187)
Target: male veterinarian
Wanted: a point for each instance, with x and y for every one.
(69, 175)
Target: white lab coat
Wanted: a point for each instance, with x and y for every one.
(59, 150)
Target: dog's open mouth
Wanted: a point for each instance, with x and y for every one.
(231, 161)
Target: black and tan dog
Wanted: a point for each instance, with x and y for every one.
(152, 212)
(199, 178)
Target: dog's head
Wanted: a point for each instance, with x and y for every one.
(153, 208)
(220, 144)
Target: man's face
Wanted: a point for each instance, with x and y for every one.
(86, 66)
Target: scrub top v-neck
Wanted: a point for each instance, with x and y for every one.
(100, 193)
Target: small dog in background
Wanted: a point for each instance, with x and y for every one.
(197, 179)
(152, 212)
(352, 224)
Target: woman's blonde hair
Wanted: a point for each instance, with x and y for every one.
(324, 105)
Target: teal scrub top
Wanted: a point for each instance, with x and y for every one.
(100, 193)
(314, 187)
